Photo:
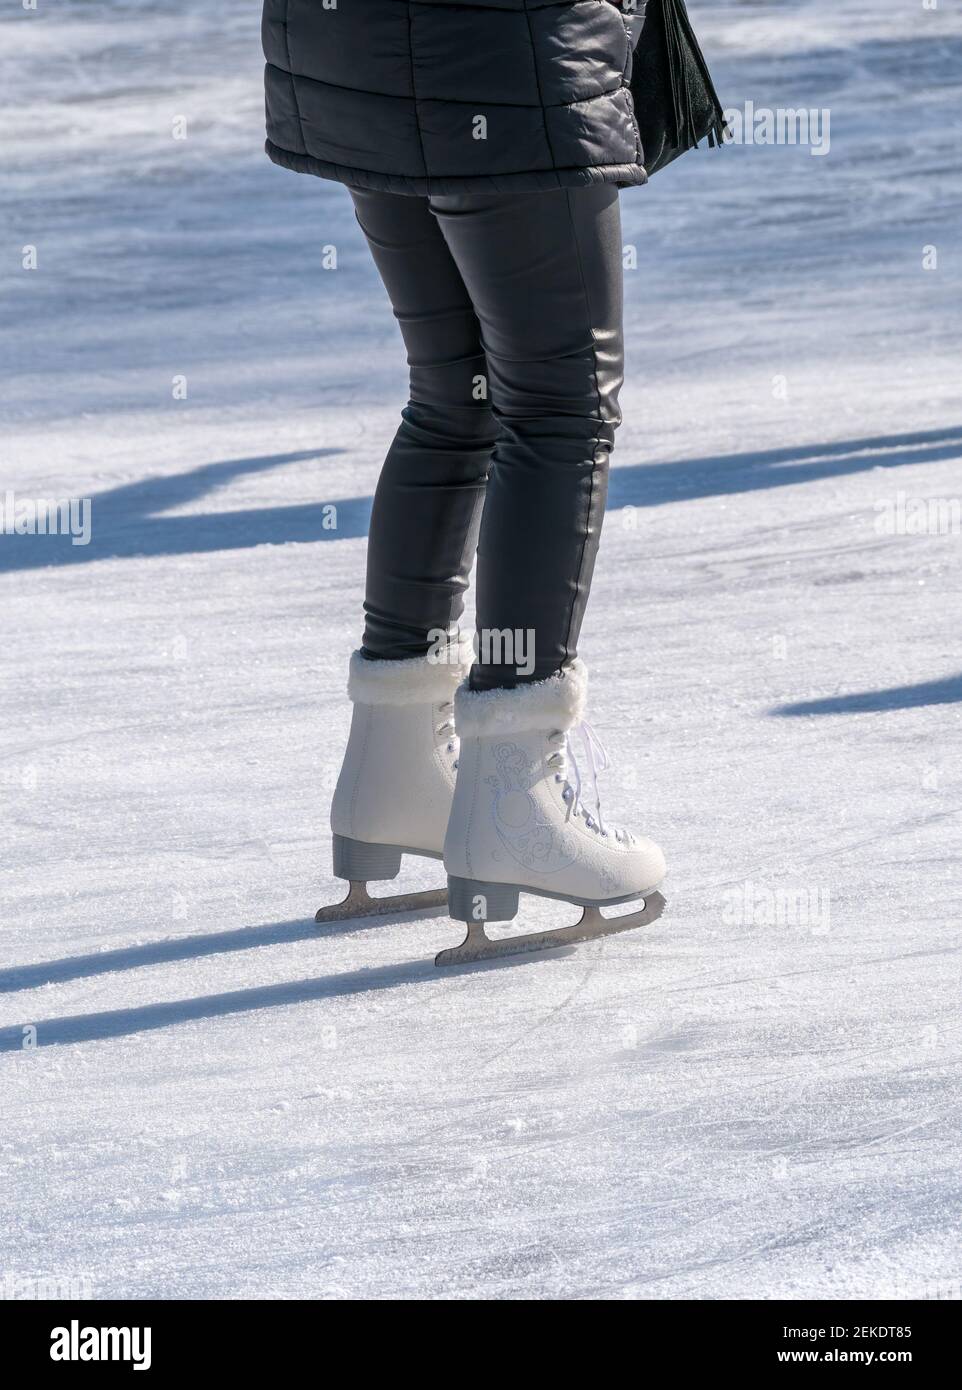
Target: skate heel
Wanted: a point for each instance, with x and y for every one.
(473, 900)
(360, 862)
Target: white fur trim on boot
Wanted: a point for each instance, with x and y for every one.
(555, 703)
(417, 680)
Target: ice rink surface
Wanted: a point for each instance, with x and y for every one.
(757, 1096)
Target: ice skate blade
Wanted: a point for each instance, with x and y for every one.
(477, 945)
(359, 903)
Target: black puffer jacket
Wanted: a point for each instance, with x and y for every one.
(445, 96)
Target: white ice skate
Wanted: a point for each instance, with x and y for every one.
(394, 790)
(519, 823)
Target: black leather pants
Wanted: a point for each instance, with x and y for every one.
(510, 305)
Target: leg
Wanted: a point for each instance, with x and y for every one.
(428, 500)
(544, 272)
(396, 781)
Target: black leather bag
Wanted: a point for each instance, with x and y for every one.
(676, 104)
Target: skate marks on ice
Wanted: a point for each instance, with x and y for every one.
(477, 946)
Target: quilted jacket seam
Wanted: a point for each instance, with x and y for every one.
(453, 101)
(537, 79)
(626, 84)
(378, 177)
(414, 90)
(290, 72)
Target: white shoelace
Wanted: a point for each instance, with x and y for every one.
(597, 760)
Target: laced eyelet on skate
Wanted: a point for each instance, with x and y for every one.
(598, 761)
(445, 708)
